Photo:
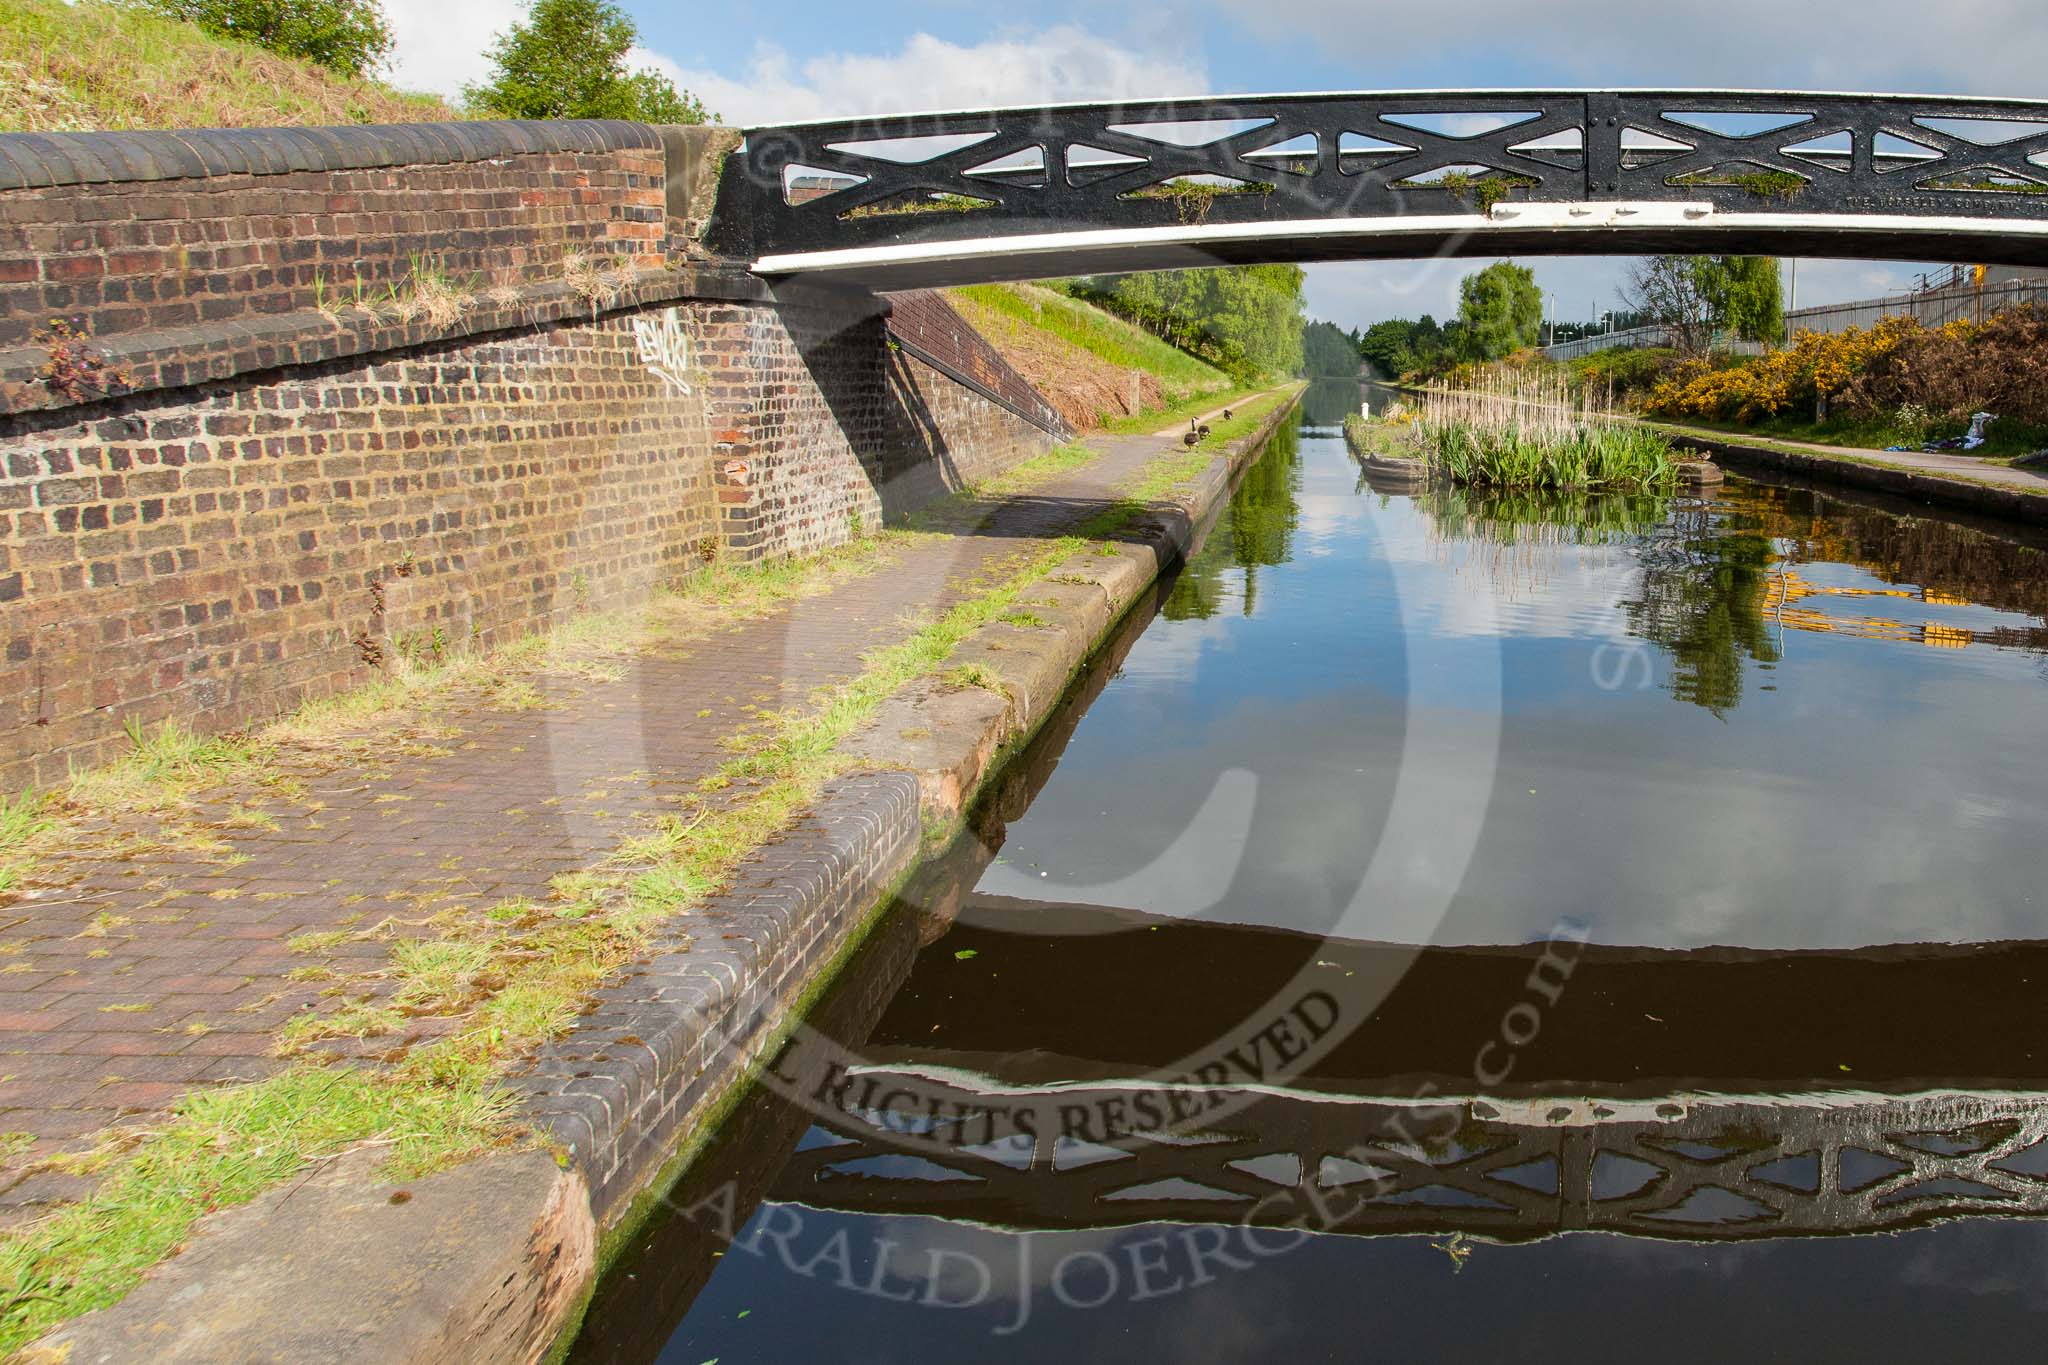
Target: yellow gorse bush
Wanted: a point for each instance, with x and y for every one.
(1815, 366)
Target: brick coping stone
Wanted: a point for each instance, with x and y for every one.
(31, 161)
(676, 1033)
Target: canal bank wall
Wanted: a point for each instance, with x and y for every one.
(284, 409)
(493, 1259)
(1961, 492)
(634, 1092)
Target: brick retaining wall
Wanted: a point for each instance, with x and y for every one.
(273, 501)
(217, 554)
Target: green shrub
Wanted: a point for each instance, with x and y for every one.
(348, 36)
(568, 60)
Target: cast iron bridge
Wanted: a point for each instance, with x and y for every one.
(1012, 193)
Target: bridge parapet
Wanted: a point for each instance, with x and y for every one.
(932, 197)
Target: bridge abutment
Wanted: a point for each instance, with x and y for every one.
(279, 407)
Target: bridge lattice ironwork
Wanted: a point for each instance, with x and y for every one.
(1274, 174)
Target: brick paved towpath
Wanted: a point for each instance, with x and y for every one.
(126, 980)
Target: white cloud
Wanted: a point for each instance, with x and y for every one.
(439, 45)
(927, 73)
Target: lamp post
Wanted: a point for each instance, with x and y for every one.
(1791, 293)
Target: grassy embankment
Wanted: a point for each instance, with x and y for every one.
(507, 980)
(93, 65)
(1084, 360)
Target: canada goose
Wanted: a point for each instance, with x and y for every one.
(1191, 438)
(1226, 414)
(1203, 431)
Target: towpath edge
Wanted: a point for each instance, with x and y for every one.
(495, 1259)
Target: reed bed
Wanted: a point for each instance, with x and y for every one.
(1531, 430)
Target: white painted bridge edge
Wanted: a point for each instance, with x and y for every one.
(1591, 219)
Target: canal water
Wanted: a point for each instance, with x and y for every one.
(1445, 926)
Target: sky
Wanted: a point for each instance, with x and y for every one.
(780, 61)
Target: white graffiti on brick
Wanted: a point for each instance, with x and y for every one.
(663, 348)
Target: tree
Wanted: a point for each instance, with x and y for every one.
(1672, 292)
(1328, 350)
(1747, 296)
(1699, 297)
(1500, 309)
(1245, 319)
(348, 36)
(568, 60)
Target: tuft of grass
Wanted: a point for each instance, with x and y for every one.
(357, 1019)
(1484, 189)
(22, 819)
(93, 65)
(102, 924)
(597, 280)
(318, 942)
(166, 770)
(919, 201)
(1192, 199)
(222, 1147)
(440, 976)
(1762, 184)
(975, 675)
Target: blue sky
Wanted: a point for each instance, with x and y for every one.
(787, 60)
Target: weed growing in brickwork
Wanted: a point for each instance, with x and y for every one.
(22, 818)
(167, 769)
(424, 649)
(596, 281)
(427, 293)
(975, 675)
(74, 370)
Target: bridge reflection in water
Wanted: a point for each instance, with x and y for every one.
(1715, 1093)
(1939, 1119)
(1688, 1166)
(1778, 1104)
